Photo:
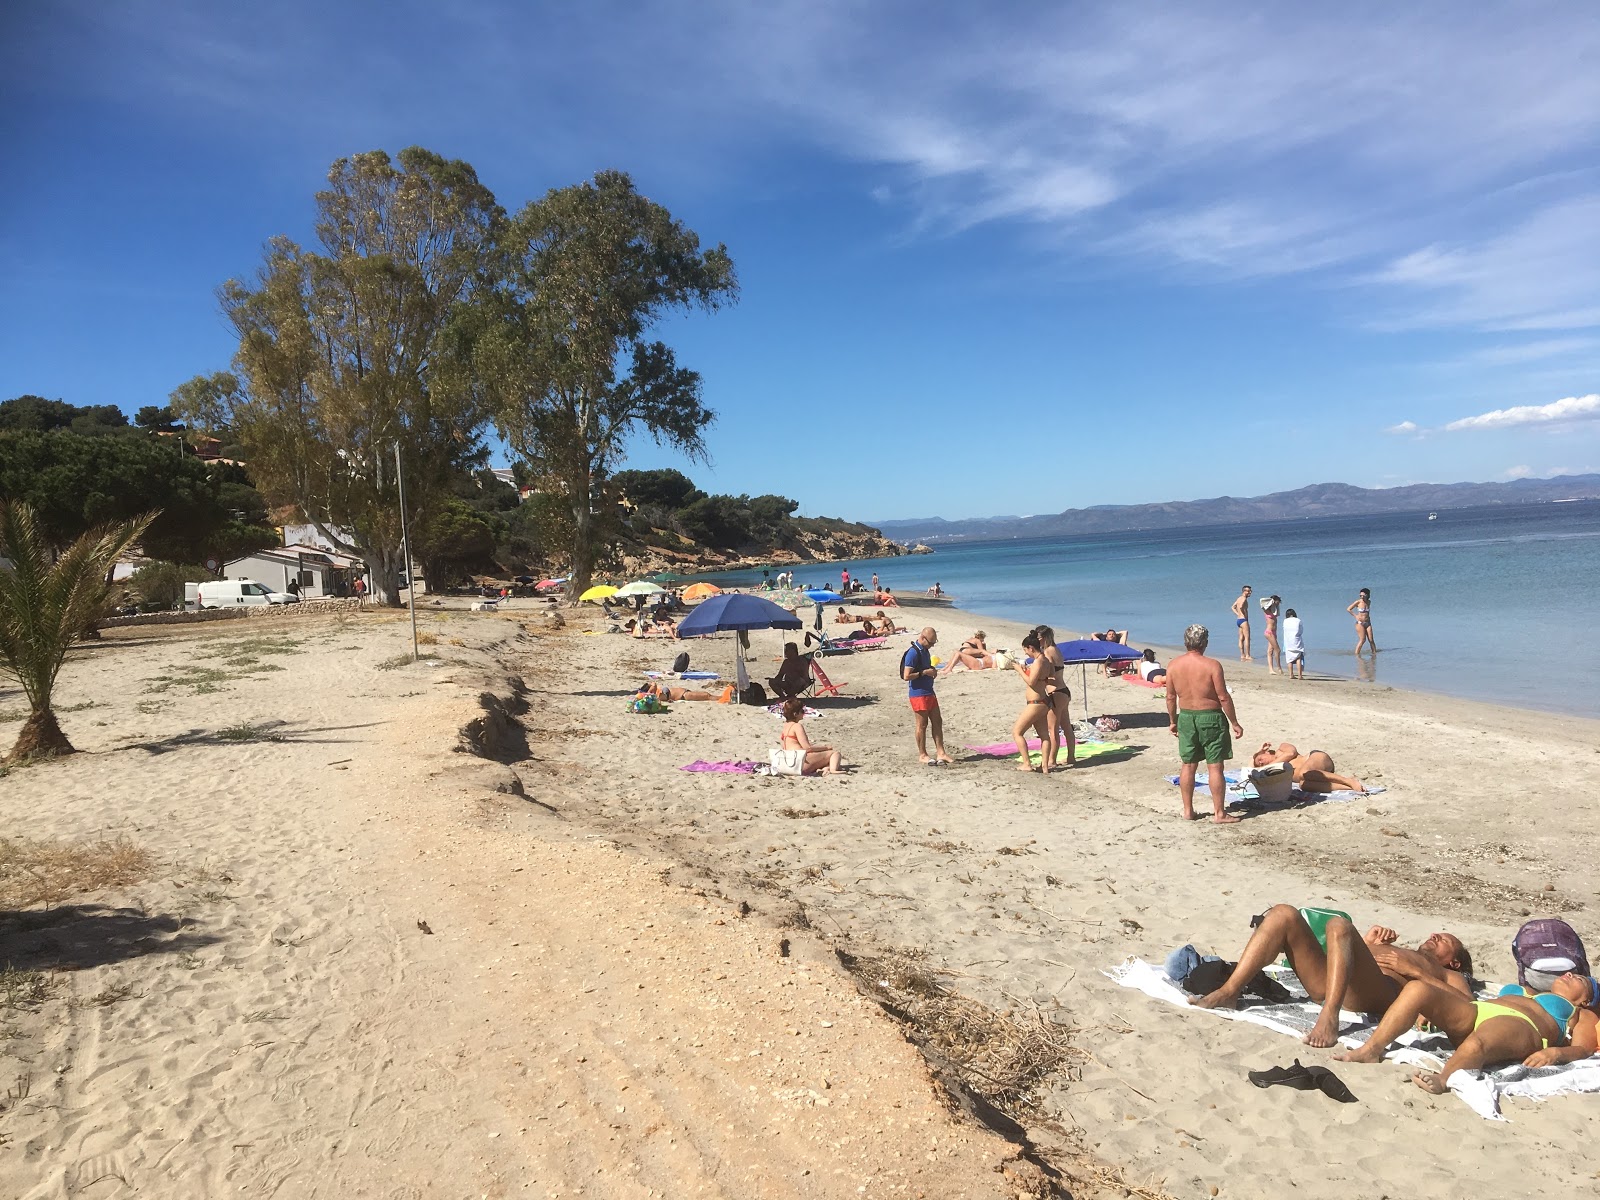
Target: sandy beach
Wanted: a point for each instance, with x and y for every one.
(368, 954)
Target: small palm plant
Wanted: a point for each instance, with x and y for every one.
(45, 605)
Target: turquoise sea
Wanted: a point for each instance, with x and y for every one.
(1497, 603)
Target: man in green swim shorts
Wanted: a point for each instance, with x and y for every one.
(1199, 715)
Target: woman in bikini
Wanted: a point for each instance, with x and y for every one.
(1313, 772)
(1058, 717)
(815, 760)
(665, 691)
(1558, 1026)
(1269, 609)
(1035, 708)
(974, 654)
(1361, 610)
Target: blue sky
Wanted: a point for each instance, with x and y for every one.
(1002, 258)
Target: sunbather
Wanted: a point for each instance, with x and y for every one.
(1361, 974)
(1313, 772)
(1539, 1031)
(974, 654)
(794, 674)
(847, 618)
(814, 759)
(886, 624)
(665, 691)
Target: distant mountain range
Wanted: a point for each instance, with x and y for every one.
(1317, 500)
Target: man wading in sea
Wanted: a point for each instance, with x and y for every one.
(1199, 712)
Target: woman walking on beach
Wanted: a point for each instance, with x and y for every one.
(1269, 609)
(1058, 716)
(1361, 610)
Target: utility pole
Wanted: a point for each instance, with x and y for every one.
(405, 542)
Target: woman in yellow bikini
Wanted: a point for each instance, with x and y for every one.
(1558, 1026)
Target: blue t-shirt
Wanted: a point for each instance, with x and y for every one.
(916, 659)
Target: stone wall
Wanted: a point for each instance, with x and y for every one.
(262, 612)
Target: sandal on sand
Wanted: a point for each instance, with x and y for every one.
(1305, 1079)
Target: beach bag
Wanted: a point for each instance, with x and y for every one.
(681, 663)
(1002, 660)
(647, 704)
(1546, 949)
(1274, 783)
(787, 762)
(754, 694)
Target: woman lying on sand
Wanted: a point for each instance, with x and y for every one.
(665, 691)
(1560, 1026)
(814, 760)
(1313, 772)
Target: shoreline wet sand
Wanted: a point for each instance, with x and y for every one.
(289, 1024)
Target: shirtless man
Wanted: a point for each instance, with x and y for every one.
(1313, 772)
(1241, 617)
(1361, 974)
(1199, 712)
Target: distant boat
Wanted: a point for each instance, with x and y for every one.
(1433, 516)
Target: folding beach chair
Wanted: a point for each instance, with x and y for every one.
(825, 686)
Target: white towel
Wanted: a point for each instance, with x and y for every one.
(1479, 1090)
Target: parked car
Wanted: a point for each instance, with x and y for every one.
(238, 593)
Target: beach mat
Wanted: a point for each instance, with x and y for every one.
(1143, 683)
(702, 675)
(722, 767)
(1036, 749)
(1481, 1091)
(1242, 794)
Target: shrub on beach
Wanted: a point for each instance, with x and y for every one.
(159, 585)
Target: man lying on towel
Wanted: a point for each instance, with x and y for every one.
(1361, 974)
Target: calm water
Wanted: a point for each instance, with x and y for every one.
(1499, 604)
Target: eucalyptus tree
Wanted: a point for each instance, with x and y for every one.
(48, 601)
(346, 350)
(560, 343)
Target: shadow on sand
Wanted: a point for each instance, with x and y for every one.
(236, 735)
(77, 936)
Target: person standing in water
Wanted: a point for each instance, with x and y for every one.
(1241, 618)
(1294, 643)
(1361, 610)
(1269, 612)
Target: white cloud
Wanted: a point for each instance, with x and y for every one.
(1521, 472)
(1403, 427)
(1573, 408)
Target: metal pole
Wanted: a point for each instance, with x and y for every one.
(405, 542)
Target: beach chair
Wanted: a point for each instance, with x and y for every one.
(824, 685)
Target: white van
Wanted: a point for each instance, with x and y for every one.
(238, 593)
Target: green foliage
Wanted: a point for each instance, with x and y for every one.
(46, 603)
(344, 352)
(666, 488)
(159, 585)
(560, 346)
(74, 482)
(156, 416)
(458, 540)
(37, 415)
(720, 521)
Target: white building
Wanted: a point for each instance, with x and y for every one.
(316, 571)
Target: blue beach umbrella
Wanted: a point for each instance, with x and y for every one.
(819, 597)
(736, 612)
(1084, 651)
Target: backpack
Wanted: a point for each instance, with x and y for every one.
(754, 694)
(1547, 937)
(681, 663)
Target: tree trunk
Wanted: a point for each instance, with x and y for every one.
(385, 567)
(582, 548)
(41, 737)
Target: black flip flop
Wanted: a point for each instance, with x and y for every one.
(1305, 1079)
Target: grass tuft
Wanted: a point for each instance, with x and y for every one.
(24, 989)
(247, 733)
(40, 872)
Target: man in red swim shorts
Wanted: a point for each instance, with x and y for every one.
(917, 669)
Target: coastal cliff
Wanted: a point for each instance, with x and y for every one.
(812, 539)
